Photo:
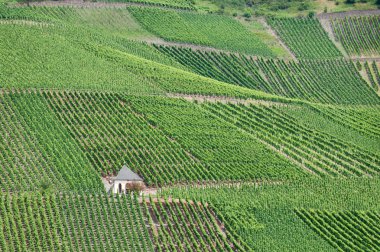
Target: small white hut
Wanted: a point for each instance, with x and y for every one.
(127, 180)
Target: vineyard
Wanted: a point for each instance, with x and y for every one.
(111, 134)
(319, 153)
(188, 226)
(179, 4)
(209, 30)
(264, 214)
(358, 35)
(72, 222)
(170, 153)
(370, 72)
(349, 231)
(326, 81)
(37, 151)
(159, 125)
(315, 43)
(341, 123)
(228, 153)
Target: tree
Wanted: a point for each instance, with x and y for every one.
(311, 14)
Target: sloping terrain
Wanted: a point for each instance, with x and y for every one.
(239, 147)
(37, 151)
(359, 35)
(325, 81)
(314, 44)
(211, 30)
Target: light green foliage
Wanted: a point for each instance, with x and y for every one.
(72, 222)
(327, 81)
(336, 125)
(37, 151)
(111, 21)
(305, 37)
(76, 57)
(210, 30)
(320, 153)
(359, 35)
(47, 59)
(174, 80)
(228, 153)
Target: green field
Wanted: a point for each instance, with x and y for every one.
(208, 30)
(248, 133)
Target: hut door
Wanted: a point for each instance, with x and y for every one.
(119, 188)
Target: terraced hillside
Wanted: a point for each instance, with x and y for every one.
(353, 231)
(371, 73)
(188, 226)
(305, 37)
(72, 222)
(112, 134)
(359, 35)
(209, 30)
(237, 148)
(318, 152)
(327, 215)
(228, 153)
(37, 151)
(326, 81)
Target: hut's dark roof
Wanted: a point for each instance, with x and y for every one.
(126, 174)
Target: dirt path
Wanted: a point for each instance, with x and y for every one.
(325, 21)
(364, 59)
(154, 191)
(348, 14)
(326, 24)
(89, 4)
(159, 41)
(170, 200)
(274, 34)
(24, 22)
(223, 99)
